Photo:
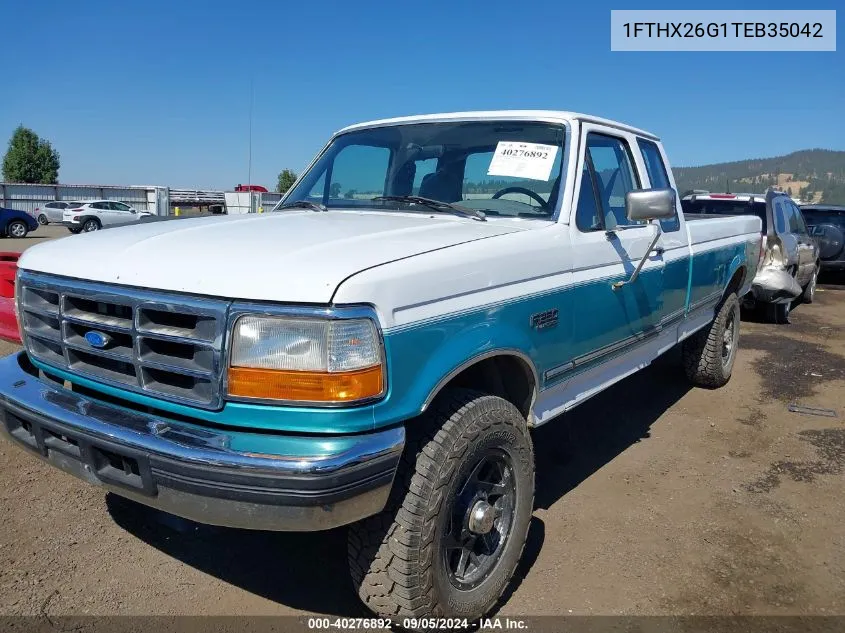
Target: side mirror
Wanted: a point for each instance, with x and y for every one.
(650, 204)
(133, 211)
(647, 204)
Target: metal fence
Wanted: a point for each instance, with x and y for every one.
(195, 197)
(26, 197)
(156, 200)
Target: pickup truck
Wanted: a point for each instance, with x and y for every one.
(375, 352)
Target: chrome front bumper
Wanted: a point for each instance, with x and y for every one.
(205, 474)
(774, 285)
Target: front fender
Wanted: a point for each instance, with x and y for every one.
(424, 358)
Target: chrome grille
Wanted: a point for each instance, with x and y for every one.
(165, 345)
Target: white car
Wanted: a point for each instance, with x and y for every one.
(96, 214)
(53, 212)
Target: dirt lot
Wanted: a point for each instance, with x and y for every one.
(653, 498)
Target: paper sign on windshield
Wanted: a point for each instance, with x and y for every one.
(523, 160)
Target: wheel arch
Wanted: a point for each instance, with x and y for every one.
(485, 372)
(85, 218)
(736, 278)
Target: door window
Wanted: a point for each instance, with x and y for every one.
(781, 217)
(796, 220)
(119, 206)
(610, 160)
(103, 206)
(587, 214)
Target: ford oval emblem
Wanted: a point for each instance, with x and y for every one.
(97, 339)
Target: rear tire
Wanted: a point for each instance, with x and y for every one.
(709, 354)
(42, 220)
(450, 538)
(17, 229)
(810, 289)
(91, 225)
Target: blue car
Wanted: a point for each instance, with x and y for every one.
(14, 223)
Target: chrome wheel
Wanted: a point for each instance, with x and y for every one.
(480, 521)
(91, 225)
(811, 287)
(17, 229)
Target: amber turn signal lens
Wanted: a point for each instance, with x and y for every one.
(306, 386)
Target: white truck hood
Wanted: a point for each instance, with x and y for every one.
(293, 256)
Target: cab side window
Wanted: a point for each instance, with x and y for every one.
(658, 178)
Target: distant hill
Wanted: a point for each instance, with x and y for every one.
(813, 175)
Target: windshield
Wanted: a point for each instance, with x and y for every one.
(504, 168)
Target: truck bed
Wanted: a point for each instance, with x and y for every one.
(707, 228)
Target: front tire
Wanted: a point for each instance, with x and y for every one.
(17, 229)
(453, 531)
(709, 354)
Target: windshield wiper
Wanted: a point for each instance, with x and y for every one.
(437, 205)
(303, 204)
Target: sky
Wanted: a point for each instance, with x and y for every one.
(158, 92)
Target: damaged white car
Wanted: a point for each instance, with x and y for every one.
(789, 265)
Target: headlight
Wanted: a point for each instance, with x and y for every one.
(305, 359)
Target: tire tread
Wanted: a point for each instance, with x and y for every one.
(702, 352)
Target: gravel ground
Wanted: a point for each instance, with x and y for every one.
(653, 498)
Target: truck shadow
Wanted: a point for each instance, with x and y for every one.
(307, 571)
(569, 449)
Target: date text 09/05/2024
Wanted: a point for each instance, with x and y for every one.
(723, 29)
